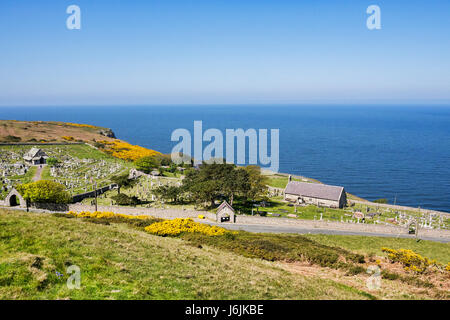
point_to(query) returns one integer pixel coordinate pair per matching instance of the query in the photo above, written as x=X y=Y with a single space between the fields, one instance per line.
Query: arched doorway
x=13 y=201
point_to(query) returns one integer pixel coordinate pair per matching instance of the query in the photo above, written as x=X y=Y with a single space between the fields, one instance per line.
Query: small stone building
x=35 y=157
x=14 y=198
x=225 y=213
x=315 y=193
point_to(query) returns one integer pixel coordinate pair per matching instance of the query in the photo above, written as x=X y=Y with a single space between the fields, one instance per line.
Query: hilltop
x=13 y=131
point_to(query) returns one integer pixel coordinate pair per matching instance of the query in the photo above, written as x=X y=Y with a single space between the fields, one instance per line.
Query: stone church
x=35 y=157
x=315 y=193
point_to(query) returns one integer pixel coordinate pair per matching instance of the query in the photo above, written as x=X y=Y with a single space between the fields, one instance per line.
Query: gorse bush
x=273 y=247
x=107 y=214
x=106 y=218
x=80 y=125
x=126 y=151
x=409 y=259
x=178 y=226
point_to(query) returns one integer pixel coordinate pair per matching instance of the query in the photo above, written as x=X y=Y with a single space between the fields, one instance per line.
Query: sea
x=401 y=153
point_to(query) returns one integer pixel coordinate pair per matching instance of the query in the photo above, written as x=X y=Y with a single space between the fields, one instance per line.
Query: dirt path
x=38 y=174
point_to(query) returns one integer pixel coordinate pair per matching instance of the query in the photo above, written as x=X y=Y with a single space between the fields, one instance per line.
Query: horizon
x=224 y=53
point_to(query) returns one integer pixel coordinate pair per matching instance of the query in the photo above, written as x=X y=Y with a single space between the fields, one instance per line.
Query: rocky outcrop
x=107 y=133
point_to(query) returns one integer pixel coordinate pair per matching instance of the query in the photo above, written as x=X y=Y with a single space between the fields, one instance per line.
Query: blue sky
x=220 y=52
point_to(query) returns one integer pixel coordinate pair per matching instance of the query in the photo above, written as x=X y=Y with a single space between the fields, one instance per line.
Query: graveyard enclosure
x=80 y=168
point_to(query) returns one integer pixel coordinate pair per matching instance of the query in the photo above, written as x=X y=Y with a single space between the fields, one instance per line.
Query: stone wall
x=91 y=194
x=397 y=207
x=39 y=144
x=330 y=225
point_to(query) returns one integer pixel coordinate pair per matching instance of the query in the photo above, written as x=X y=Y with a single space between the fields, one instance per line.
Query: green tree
x=236 y=183
x=258 y=183
x=124 y=200
x=147 y=164
x=44 y=191
x=169 y=193
x=52 y=162
x=213 y=181
x=122 y=181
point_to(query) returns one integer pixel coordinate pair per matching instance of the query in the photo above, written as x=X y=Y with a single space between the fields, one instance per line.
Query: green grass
x=277 y=182
x=279 y=247
x=119 y=262
x=367 y=245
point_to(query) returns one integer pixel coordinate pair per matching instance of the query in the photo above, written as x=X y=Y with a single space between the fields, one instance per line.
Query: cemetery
x=80 y=168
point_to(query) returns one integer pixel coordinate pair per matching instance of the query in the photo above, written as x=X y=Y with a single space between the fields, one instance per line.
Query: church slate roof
x=35 y=153
x=314 y=190
x=223 y=205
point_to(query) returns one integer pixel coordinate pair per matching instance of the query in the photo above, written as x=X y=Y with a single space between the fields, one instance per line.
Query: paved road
x=301 y=230
x=260 y=228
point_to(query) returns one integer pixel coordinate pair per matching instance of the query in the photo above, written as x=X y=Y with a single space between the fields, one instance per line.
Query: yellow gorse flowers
x=178 y=226
x=409 y=259
x=81 y=125
x=163 y=228
x=126 y=151
x=100 y=214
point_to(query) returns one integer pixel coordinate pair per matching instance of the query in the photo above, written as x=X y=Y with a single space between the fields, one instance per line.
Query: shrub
x=52 y=162
x=126 y=151
x=12 y=138
x=99 y=145
x=137 y=221
x=125 y=200
x=178 y=226
x=105 y=214
x=44 y=191
x=409 y=259
x=389 y=275
x=354 y=270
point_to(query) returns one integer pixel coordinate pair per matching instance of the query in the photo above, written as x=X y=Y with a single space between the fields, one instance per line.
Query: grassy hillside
x=118 y=262
x=13 y=131
x=367 y=245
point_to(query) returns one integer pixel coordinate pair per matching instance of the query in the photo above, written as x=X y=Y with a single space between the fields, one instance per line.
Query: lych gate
x=225 y=213
x=14 y=199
